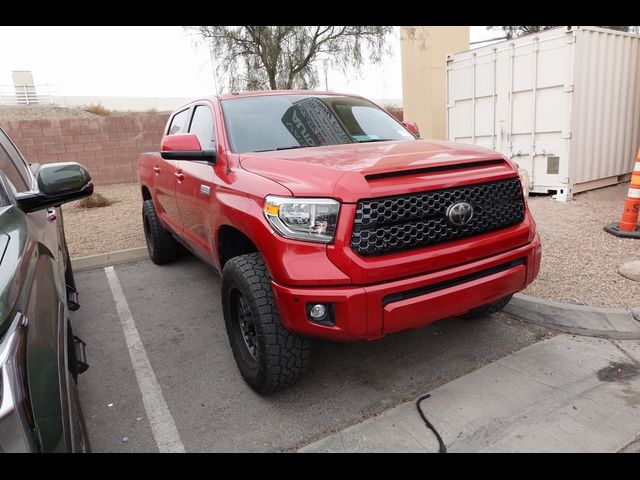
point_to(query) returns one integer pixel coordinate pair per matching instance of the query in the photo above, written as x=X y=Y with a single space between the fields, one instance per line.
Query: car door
x=196 y=186
x=32 y=264
x=165 y=177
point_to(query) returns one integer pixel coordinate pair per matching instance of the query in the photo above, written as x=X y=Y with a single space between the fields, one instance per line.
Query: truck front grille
x=404 y=222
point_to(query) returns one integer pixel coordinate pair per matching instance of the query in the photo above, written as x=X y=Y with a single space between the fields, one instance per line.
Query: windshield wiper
x=291 y=147
x=371 y=140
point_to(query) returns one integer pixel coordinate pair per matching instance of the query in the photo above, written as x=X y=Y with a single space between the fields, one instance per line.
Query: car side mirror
x=58 y=183
x=413 y=128
x=185 y=146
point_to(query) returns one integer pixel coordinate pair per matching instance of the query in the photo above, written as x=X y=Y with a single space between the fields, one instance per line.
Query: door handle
x=179 y=176
x=157 y=169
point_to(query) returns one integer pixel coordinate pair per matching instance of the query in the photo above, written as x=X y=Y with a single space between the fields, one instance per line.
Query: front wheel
x=268 y=356
x=486 y=310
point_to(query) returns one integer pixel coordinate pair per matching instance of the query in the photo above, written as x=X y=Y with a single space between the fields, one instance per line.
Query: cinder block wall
x=107 y=146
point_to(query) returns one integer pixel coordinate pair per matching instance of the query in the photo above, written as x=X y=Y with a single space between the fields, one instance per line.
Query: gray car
x=40 y=358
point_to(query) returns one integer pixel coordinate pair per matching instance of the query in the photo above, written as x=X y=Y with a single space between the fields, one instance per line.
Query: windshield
x=279 y=122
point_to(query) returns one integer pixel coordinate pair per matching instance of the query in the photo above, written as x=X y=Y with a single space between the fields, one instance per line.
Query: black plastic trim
x=441 y=168
x=416 y=292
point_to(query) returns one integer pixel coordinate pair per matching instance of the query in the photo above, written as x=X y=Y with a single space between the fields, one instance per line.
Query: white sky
x=153 y=61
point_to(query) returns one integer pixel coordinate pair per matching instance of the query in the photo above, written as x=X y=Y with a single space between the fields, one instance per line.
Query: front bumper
x=372 y=311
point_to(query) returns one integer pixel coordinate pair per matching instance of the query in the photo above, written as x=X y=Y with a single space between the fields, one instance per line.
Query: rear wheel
x=486 y=310
x=268 y=356
x=161 y=245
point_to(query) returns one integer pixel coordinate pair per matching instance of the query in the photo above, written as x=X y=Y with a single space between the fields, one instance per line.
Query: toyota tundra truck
x=327 y=217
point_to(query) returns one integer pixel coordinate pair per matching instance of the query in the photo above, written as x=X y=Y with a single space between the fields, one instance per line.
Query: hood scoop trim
x=439 y=168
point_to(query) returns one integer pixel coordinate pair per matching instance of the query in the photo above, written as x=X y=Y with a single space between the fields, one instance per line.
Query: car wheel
x=161 y=245
x=486 y=310
x=268 y=356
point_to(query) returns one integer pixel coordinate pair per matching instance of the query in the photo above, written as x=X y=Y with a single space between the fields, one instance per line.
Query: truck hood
x=353 y=171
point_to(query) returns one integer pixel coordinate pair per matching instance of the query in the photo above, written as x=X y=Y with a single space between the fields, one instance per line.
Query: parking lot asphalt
x=177 y=315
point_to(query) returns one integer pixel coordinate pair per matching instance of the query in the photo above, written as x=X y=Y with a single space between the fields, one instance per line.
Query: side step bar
x=81 y=355
x=72 y=299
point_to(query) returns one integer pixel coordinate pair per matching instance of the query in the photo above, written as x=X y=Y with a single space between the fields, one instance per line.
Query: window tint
x=202 y=126
x=11 y=171
x=179 y=122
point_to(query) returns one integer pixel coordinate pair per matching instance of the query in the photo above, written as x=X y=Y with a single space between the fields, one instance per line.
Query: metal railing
x=42 y=94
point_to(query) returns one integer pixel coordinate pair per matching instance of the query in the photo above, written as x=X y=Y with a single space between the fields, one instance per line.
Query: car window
x=202 y=126
x=10 y=169
x=18 y=163
x=179 y=122
x=275 y=122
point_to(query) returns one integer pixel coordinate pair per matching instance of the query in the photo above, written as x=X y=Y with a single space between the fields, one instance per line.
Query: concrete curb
x=107 y=259
x=618 y=324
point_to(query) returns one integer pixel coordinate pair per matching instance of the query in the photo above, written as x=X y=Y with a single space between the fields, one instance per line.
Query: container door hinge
x=566 y=135
x=568 y=88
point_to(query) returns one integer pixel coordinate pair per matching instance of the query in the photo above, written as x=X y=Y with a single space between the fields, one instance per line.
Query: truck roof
x=259 y=93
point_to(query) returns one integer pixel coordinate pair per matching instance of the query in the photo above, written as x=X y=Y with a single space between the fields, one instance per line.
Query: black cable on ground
x=443 y=448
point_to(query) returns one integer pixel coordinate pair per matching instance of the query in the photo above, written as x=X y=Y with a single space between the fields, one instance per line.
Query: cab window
x=178 y=122
x=202 y=126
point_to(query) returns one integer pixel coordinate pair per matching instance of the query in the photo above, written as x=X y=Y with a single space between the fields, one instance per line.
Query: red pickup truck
x=328 y=218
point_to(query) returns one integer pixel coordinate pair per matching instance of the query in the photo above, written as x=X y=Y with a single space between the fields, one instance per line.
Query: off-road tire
x=486 y=310
x=161 y=245
x=281 y=357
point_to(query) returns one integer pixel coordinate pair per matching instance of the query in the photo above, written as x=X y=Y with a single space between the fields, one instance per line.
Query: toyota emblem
x=460 y=213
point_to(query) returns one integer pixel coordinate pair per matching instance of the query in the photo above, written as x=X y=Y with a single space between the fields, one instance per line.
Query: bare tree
x=511 y=31
x=285 y=57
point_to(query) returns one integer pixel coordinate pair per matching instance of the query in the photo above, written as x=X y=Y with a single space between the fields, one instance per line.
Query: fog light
x=321 y=313
x=318 y=312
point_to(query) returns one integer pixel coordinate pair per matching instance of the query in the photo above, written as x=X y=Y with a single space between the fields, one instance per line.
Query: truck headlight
x=309 y=219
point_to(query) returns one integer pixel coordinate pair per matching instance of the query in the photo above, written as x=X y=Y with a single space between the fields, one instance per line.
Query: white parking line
x=162 y=424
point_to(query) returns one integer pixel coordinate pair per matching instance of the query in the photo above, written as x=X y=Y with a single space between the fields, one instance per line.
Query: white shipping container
x=564 y=104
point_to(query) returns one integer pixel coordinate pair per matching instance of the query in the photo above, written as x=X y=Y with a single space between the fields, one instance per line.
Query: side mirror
x=58 y=183
x=185 y=146
x=413 y=128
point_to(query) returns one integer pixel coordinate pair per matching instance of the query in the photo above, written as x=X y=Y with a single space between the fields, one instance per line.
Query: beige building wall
x=424 y=53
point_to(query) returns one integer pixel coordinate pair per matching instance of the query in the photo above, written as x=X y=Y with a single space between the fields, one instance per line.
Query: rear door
x=165 y=178
x=195 y=190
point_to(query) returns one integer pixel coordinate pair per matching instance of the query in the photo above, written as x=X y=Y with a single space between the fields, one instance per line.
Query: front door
x=166 y=178
x=195 y=192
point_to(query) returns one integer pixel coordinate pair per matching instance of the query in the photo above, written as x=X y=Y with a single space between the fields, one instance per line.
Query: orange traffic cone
x=628 y=226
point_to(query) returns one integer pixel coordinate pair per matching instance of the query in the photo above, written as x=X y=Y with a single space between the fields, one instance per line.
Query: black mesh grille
x=393 y=224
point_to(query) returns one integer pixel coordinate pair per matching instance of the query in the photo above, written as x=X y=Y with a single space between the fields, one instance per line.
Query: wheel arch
x=233 y=242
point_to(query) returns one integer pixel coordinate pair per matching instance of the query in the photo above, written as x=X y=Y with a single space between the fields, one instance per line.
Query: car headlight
x=309 y=219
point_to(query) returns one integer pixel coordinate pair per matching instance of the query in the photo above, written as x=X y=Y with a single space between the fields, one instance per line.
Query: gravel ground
x=579 y=259
x=91 y=231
